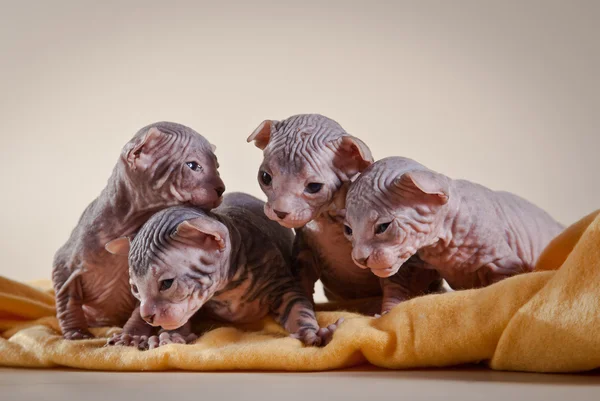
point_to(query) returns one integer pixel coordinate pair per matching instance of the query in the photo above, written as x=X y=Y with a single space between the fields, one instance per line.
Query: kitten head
x=177 y=261
x=307 y=158
x=172 y=164
x=393 y=209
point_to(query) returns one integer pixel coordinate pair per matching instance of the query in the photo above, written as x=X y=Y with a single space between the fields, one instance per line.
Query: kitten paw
x=318 y=338
x=166 y=338
x=128 y=340
x=77 y=334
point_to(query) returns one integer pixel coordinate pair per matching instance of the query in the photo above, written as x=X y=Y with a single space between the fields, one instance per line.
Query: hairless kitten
x=233 y=262
x=309 y=162
x=165 y=164
x=471 y=235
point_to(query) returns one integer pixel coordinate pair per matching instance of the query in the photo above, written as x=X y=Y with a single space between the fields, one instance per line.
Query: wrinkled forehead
x=149 y=272
x=302 y=144
x=297 y=157
x=178 y=137
x=153 y=245
x=364 y=212
x=289 y=166
x=360 y=206
x=156 y=261
x=192 y=144
x=368 y=192
x=315 y=126
x=143 y=259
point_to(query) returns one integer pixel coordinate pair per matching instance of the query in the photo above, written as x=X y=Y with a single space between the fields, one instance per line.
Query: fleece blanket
x=545 y=321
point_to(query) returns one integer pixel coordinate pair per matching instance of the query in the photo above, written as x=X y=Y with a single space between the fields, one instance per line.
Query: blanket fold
x=546 y=321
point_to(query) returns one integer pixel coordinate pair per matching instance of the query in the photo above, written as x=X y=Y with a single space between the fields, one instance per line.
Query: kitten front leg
x=135 y=332
x=182 y=335
x=296 y=314
x=412 y=280
x=502 y=268
x=69 y=303
x=305 y=266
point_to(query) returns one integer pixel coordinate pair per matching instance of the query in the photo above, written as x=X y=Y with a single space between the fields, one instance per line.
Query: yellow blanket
x=547 y=321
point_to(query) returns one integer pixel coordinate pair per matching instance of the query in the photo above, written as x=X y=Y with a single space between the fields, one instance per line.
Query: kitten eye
x=194 y=166
x=166 y=284
x=347 y=230
x=313 y=187
x=134 y=289
x=266 y=178
x=382 y=227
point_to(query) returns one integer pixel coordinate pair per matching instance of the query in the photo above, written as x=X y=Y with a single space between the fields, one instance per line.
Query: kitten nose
x=281 y=215
x=362 y=261
x=220 y=190
x=149 y=318
x=361 y=255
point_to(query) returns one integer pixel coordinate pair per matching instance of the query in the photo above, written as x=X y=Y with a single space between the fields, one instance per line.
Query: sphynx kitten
x=471 y=235
x=165 y=164
x=233 y=262
x=309 y=162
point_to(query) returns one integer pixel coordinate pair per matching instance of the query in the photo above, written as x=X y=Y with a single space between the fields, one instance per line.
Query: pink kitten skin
x=232 y=263
x=309 y=161
x=471 y=235
x=164 y=164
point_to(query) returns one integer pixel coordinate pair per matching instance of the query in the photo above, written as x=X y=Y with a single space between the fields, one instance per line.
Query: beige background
x=504 y=93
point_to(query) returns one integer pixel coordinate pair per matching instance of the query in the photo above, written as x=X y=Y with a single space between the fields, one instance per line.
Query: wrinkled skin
x=309 y=162
x=164 y=164
x=471 y=235
x=233 y=263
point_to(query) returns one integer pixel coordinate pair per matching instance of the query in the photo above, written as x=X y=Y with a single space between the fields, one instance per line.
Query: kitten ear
x=352 y=155
x=424 y=182
x=262 y=134
x=119 y=246
x=142 y=147
x=205 y=231
x=213 y=148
